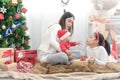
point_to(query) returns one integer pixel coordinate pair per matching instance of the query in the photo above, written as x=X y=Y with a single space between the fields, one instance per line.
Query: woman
x=49 y=50
x=98 y=50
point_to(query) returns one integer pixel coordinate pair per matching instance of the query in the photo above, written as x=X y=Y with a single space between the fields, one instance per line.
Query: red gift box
x=6 y=55
x=26 y=55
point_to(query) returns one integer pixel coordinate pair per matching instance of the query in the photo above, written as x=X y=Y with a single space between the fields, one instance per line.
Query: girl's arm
x=53 y=36
x=102 y=58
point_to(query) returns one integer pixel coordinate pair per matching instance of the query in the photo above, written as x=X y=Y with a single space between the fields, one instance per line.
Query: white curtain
x=43 y=13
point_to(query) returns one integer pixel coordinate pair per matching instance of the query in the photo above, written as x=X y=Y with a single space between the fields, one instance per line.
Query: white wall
x=42 y=13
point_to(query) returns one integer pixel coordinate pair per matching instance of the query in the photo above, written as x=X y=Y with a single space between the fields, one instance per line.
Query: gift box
x=8 y=67
x=26 y=55
x=6 y=55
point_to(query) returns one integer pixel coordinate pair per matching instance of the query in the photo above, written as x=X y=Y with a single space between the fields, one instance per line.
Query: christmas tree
x=13 y=30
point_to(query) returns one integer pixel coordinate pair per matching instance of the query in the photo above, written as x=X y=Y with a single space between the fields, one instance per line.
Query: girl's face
x=92 y=41
x=69 y=22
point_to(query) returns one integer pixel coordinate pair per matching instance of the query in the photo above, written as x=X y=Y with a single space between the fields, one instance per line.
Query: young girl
x=98 y=50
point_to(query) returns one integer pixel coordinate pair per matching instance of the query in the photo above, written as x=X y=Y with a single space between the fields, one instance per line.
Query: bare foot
x=113 y=35
x=105 y=34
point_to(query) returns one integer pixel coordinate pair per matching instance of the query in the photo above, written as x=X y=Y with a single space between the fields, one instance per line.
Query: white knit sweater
x=49 y=42
x=100 y=54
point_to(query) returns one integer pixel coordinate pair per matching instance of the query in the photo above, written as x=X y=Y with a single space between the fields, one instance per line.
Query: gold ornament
x=10 y=18
x=14 y=1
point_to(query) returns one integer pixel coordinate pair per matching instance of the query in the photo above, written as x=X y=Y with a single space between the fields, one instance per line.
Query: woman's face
x=69 y=22
x=92 y=40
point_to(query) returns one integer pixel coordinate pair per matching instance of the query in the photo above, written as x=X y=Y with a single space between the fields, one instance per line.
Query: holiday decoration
x=10 y=18
x=14 y=2
x=13 y=26
x=64 y=3
x=24 y=10
x=7 y=55
x=3 y=10
x=26 y=55
x=0 y=36
x=26 y=41
x=17 y=16
x=27 y=33
x=1 y=17
x=11 y=22
x=3 y=27
x=104 y=4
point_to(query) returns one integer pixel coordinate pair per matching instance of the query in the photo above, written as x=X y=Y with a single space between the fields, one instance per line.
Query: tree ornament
x=8 y=31
x=18 y=23
x=24 y=10
x=27 y=33
x=18 y=47
x=18 y=9
x=0 y=36
x=26 y=41
x=24 y=28
x=17 y=16
x=13 y=26
x=14 y=2
x=10 y=18
x=3 y=27
x=3 y=10
x=1 y=17
x=16 y=36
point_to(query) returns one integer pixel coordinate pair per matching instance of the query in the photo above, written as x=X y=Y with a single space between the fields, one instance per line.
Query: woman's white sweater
x=50 y=40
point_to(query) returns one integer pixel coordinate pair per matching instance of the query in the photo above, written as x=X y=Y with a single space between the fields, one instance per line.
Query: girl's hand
x=91 y=60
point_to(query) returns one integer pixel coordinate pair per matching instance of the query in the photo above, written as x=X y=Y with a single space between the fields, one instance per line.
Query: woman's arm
x=53 y=36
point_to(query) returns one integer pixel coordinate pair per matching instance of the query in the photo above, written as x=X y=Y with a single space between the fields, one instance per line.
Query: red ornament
x=16 y=36
x=26 y=28
x=17 y=16
x=18 y=47
x=83 y=58
x=1 y=17
x=26 y=41
x=24 y=10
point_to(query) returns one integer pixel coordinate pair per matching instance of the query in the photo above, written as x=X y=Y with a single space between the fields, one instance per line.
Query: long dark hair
x=103 y=42
x=62 y=21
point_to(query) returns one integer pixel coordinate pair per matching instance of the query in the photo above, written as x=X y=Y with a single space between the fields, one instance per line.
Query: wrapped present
x=8 y=67
x=6 y=55
x=26 y=55
x=23 y=66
